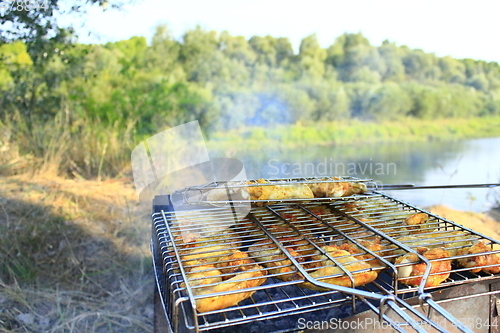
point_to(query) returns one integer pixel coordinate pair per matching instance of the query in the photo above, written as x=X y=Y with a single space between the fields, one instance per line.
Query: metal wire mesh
x=298 y=238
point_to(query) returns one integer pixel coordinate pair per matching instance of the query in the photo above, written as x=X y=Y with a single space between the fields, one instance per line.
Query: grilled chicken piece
x=206 y=255
x=224 y=194
x=412 y=274
x=361 y=271
x=190 y=242
x=235 y=263
x=372 y=245
x=337 y=189
x=277 y=262
x=319 y=210
x=318 y=265
x=416 y=223
x=277 y=192
x=209 y=279
x=213 y=266
x=452 y=241
x=268 y=191
x=483 y=259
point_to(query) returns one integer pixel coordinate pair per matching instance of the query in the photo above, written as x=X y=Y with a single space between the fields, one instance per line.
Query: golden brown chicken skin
x=234 y=272
x=361 y=272
x=276 y=261
x=276 y=192
x=483 y=259
x=372 y=245
x=207 y=279
x=416 y=223
x=318 y=265
x=337 y=189
x=412 y=274
x=452 y=241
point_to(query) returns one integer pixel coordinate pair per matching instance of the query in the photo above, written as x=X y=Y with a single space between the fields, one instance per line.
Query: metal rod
x=400 y=245
x=275 y=181
x=427 y=298
x=189 y=290
x=310 y=279
x=425 y=187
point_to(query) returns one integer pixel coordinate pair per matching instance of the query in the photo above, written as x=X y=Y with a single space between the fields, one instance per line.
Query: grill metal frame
x=195 y=195
x=340 y=226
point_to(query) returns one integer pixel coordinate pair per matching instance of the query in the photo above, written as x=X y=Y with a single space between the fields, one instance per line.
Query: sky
x=459 y=28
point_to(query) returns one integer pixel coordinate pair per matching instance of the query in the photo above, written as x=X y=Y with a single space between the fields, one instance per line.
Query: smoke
x=173 y=160
x=270 y=111
x=239 y=109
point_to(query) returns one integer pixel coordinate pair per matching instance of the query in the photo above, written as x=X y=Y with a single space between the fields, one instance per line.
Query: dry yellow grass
x=74 y=257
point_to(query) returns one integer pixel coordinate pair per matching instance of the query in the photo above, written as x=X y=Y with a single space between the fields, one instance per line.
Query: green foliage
x=386 y=101
x=134 y=89
x=312 y=57
x=34 y=25
x=355 y=132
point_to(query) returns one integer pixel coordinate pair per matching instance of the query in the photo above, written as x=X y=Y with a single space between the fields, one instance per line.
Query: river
x=428 y=163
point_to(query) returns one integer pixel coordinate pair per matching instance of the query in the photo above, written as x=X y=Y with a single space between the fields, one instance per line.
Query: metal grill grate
x=212 y=232
x=230 y=192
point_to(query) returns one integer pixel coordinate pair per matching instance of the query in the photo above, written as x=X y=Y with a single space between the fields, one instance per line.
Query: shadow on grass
x=58 y=274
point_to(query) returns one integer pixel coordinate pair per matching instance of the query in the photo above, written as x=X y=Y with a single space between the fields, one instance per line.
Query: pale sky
x=460 y=28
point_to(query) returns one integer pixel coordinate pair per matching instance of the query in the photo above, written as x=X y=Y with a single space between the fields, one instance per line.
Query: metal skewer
x=424 y=187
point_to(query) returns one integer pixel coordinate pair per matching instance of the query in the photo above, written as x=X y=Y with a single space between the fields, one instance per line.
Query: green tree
x=312 y=57
x=335 y=106
x=271 y=51
x=392 y=68
x=237 y=48
x=387 y=102
x=199 y=53
x=163 y=56
x=452 y=70
x=421 y=66
x=355 y=59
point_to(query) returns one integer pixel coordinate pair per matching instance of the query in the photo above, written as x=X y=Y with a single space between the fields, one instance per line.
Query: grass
x=352 y=132
x=74 y=257
x=85 y=149
x=80 y=148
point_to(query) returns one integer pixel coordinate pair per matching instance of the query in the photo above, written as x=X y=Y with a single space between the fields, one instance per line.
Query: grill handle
x=393 y=187
x=427 y=299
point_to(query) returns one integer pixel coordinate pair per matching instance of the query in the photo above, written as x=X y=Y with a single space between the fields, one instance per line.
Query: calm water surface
x=430 y=163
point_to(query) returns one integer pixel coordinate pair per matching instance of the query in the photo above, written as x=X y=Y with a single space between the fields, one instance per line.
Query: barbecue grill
x=307 y=302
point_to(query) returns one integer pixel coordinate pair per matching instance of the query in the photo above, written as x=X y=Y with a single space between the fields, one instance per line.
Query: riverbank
x=484 y=223
x=351 y=132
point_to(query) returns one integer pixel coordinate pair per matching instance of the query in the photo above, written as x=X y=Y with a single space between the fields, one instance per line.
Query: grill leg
x=160 y=322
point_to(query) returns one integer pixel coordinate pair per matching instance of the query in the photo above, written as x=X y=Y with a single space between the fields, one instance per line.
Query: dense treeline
x=135 y=88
